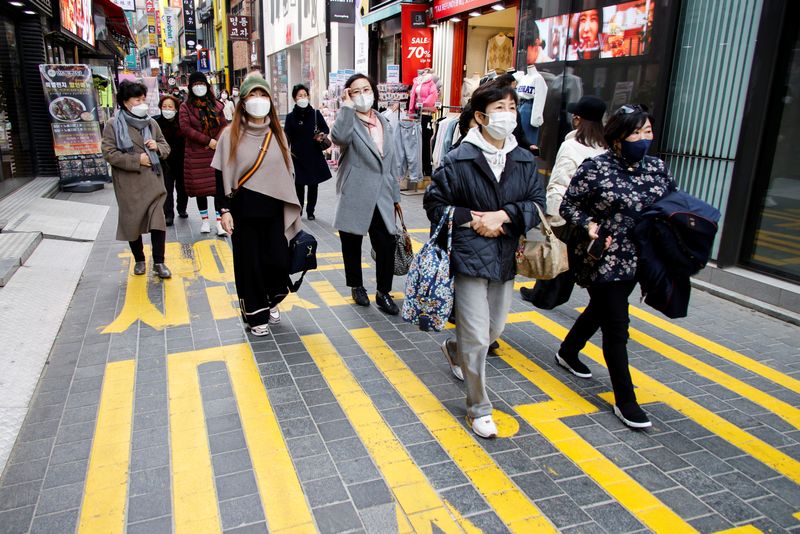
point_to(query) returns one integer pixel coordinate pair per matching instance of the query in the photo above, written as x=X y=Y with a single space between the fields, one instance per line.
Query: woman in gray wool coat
x=368 y=191
x=132 y=144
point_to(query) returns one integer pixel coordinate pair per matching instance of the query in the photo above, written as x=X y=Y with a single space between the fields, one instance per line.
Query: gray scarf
x=121 y=122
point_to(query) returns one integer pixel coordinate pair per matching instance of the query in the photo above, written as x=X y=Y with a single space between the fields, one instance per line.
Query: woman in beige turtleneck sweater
x=263 y=214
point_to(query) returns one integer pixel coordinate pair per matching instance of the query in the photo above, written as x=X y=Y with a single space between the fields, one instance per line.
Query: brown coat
x=198 y=176
x=139 y=190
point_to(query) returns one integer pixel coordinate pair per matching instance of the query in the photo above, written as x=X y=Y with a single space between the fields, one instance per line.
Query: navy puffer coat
x=466 y=181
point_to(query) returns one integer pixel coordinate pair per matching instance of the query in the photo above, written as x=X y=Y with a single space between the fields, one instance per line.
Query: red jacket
x=198 y=176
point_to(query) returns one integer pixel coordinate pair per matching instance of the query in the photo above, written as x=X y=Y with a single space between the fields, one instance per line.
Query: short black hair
x=128 y=89
x=491 y=92
x=506 y=78
x=297 y=88
x=464 y=119
x=372 y=84
x=624 y=121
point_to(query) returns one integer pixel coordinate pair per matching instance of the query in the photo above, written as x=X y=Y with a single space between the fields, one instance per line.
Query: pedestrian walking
x=132 y=144
x=604 y=200
x=368 y=192
x=172 y=165
x=494 y=186
x=306 y=129
x=227 y=105
x=202 y=122
x=259 y=206
x=583 y=142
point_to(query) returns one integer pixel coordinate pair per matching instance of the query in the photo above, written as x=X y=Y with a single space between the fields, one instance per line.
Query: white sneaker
x=205 y=228
x=220 y=230
x=455 y=369
x=274 y=316
x=483 y=426
x=260 y=331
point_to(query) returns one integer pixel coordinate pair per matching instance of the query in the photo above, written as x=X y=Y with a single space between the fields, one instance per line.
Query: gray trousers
x=409 y=155
x=481 y=312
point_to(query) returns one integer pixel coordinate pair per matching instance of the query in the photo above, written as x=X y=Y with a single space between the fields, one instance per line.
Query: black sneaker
x=632 y=415
x=311 y=217
x=385 y=302
x=526 y=293
x=360 y=296
x=170 y=221
x=183 y=215
x=574 y=366
x=493 y=347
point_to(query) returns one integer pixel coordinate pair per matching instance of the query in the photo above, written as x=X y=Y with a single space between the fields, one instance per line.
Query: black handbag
x=326 y=142
x=547 y=294
x=302 y=257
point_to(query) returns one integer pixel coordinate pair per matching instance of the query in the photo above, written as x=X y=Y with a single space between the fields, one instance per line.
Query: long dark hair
x=590 y=133
x=239 y=123
x=372 y=84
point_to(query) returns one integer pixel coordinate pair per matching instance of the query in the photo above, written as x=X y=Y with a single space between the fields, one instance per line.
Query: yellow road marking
x=194 y=495
x=723 y=352
x=414 y=494
x=328 y=294
x=205 y=252
x=222 y=303
x=746 y=529
x=770 y=456
x=520 y=285
x=337 y=267
x=105 y=495
x=508 y=502
x=546 y=417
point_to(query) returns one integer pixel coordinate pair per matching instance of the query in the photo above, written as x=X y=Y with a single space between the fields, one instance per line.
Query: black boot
x=360 y=296
x=385 y=303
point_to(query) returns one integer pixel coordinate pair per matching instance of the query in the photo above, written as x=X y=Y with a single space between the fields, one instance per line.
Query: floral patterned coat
x=612 y=193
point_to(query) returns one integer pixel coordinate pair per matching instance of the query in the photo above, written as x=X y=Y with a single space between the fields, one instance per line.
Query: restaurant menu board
x=620 y=30
x=72 y=105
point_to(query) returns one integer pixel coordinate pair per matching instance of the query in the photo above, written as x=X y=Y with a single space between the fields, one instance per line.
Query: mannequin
x=424 y=95
x=532 y=91
x=469 y=86
x=499 y=53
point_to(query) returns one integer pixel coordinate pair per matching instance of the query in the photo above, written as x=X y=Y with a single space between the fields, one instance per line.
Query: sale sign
x=417 y=41
x=448 y=8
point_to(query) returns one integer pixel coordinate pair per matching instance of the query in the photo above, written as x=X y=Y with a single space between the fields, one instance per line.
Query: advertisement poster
x=417 y=41
x=392 y=73
x=189 y=26
x=77 y=19
x=343 y=11
x=361 y=62
x=72 y=105
x=620 y=30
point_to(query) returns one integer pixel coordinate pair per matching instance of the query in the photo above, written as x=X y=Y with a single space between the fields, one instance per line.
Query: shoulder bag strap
x=262 y=151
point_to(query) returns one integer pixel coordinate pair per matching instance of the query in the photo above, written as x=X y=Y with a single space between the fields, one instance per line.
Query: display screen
x=620 y=30
x=76 y=18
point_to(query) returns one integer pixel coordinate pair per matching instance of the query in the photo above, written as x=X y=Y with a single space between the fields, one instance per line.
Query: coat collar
x=362 y=131
x=466 y=151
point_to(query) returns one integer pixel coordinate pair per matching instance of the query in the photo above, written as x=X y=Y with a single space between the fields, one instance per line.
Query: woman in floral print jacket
x=605 y=198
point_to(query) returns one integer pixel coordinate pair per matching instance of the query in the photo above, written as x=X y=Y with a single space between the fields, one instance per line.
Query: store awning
x=381 y=13
x=115 y=18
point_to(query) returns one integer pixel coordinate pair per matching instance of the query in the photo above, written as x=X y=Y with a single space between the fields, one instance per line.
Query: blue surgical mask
x=634 y=151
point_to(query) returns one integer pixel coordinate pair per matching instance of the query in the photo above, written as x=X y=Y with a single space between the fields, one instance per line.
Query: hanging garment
x=444 y=139
x=499 y=53
x=427 y=134
x=410 y=153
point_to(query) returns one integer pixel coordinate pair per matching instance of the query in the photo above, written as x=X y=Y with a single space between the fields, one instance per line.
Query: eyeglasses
x=627 y=109
x=365 y=91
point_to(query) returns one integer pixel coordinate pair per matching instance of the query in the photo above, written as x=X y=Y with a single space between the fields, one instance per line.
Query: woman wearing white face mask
x=132 y=144
x=227 y=105
x=202 y=121
x=493 y=185
x=368 y=192
x=261 y=213
x=173 y=164
x=306 y=129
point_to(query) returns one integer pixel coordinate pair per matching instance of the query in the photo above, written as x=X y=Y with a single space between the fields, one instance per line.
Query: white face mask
x=200 y=90
x=501 y=124
x=257 y=106
x=364 y=102
x=235 y=93
x=223 y=96
x=140 y=110
x=168 y=114
x=303 y=102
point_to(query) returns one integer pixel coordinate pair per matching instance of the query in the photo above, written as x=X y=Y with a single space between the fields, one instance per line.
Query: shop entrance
x=490 y=45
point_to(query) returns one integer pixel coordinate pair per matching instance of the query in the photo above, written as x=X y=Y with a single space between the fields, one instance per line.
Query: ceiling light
x=456 y=19
x=29 y=12
x=432 y=25
x=474 y=13
x=17 y=4
x=498 y=7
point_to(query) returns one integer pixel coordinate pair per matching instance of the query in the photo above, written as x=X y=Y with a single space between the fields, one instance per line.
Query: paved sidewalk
x=157 y=413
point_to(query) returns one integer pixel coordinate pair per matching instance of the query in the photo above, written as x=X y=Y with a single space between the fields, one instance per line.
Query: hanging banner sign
x=189 y=26
x=72 y=106
x=343 y=11
x=417 y=41
x=126 y=5
x=238 y=28
x=170 y=22
x=203 y=60
x=447 y=8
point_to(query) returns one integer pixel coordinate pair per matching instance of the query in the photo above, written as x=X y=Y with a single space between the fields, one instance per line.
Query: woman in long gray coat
x=368 y=191
x=132 y=144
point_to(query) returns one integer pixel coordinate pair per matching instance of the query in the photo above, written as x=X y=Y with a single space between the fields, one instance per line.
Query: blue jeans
x=531 y=132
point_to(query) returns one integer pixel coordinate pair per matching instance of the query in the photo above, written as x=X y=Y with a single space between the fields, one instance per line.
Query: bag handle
x=262 y=151
x=446 y=217
x=398 y=213
x=546 y=229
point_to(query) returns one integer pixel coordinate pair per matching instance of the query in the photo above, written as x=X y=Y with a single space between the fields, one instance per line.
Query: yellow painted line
x=546 y=417
x=507 y=500
x=106 y=491
x=328 y=255
x=770 y=456
x=338 y=267
x=415 y=496
x=520 y=285
x=206 y=252
x=746 y=529
x=780 y=235
x=330 y=297
x=194 y=495
x=221 y=303
x=721 y=351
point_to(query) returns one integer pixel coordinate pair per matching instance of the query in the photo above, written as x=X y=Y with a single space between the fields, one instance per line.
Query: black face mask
x=635 y=151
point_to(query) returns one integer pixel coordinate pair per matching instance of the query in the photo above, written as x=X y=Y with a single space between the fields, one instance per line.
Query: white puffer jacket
x=570 y=155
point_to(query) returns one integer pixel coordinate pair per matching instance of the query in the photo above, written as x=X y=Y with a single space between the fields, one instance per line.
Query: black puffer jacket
x=466 y=181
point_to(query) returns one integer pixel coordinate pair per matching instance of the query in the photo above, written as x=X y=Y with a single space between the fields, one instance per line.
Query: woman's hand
x=346 y=97
x=151 y=144
x=212 y=144
x=144 y=160
x=594 y=233
x=227 y=222
x=489 y=224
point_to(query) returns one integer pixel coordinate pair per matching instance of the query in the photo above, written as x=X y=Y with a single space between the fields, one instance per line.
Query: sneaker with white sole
x=632 y=415
x=483 y=426
x=274 y=316
x=260 y=330
x=449 y=348
x=576 y=367
x=220 y=230
x=205 y=228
